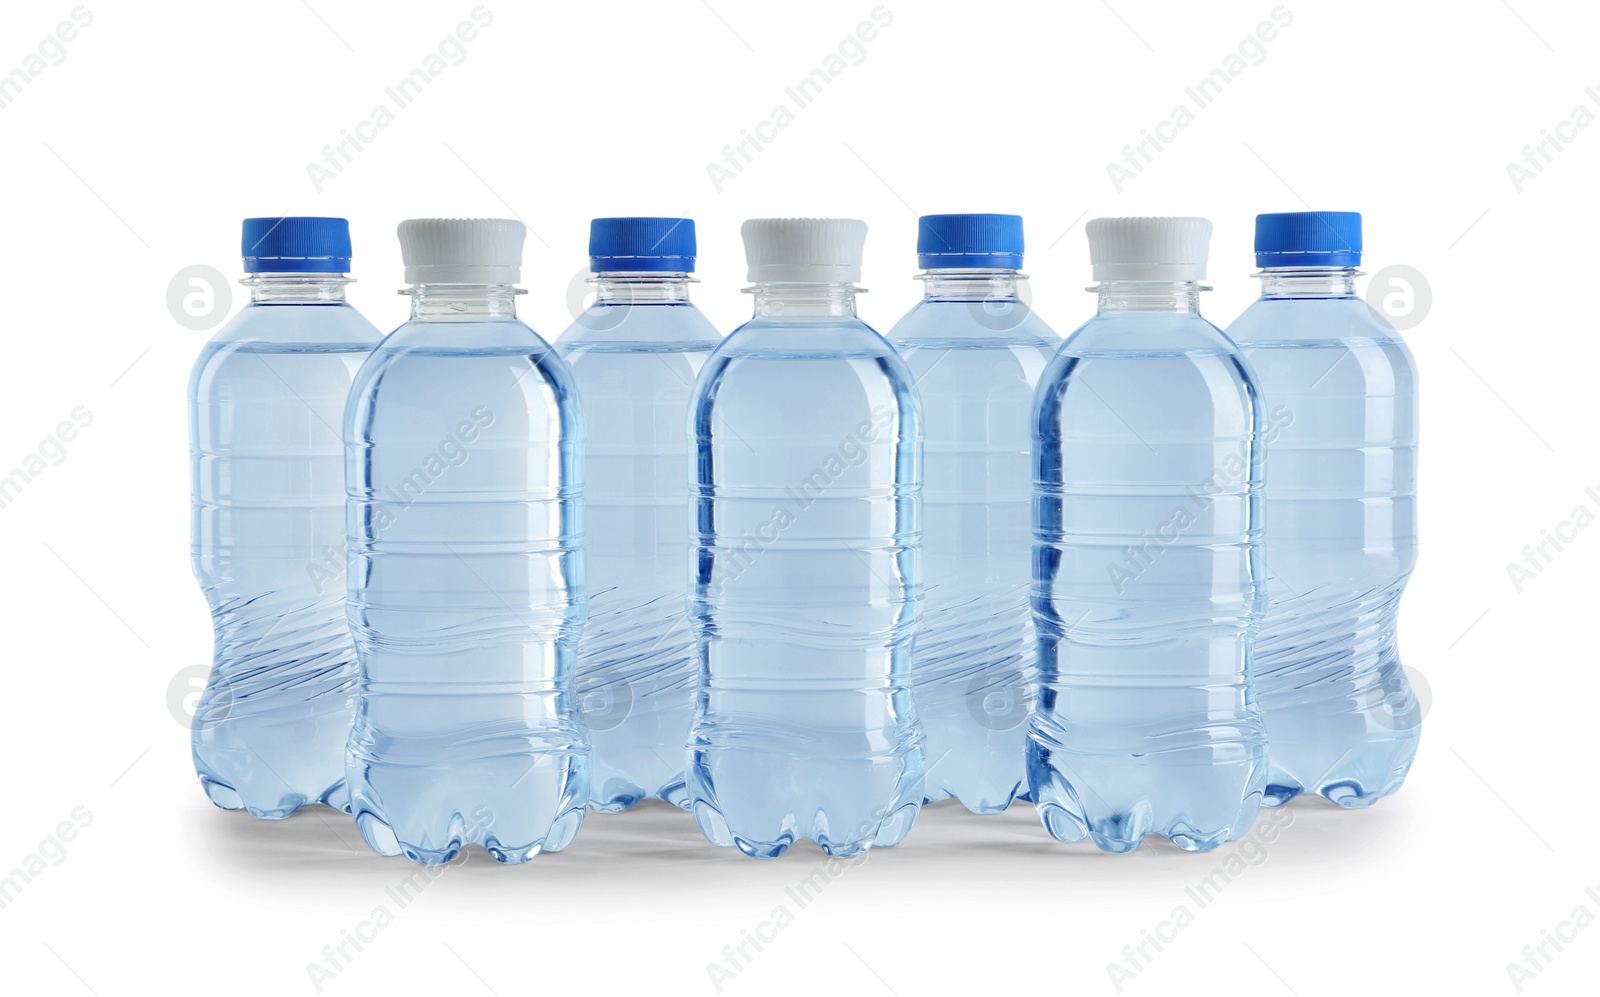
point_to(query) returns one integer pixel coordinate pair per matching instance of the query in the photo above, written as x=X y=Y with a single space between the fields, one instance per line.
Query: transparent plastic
x=634 y=356
x=1340 y=392
x=1146 y=591
x=463 y=438
x=806 y=581
x=976 y=352
x=265 y=402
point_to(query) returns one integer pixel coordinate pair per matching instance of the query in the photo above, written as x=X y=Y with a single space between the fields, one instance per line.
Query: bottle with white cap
x=1340 y=391
x=463 y=449
x=1147 y=574
x=805 y=484
x=634 y=354
x=976 y=350
x=265 y=401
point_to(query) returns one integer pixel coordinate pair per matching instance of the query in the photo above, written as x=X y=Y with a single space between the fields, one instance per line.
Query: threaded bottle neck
x=1122 y=297
x=296 y=288
x=447 y=302
x=631 y=288
x=786 y=300
x=970 y=285
x=1309 y=282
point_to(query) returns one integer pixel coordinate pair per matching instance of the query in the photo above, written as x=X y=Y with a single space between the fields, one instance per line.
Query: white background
x=138 y=154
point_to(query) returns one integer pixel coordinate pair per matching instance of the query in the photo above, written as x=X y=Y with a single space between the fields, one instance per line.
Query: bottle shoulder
x=336 y=332
x=804 y=338
x=1312 y=321
x=326 y=325
x=493 y=336
x=651 y=327
x=1135 y=335
x=830 y=358
x=435 y=356
x=941 y=323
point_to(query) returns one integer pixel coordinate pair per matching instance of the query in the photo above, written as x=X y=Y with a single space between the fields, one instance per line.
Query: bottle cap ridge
x=462 y=250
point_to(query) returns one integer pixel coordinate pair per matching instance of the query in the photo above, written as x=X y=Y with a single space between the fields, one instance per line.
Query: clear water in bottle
x=806 y=588
x=1146 y=573
x=265 y=403
x=1340 y=392
x=976 y=351
x=466 y=577
x=634 y=356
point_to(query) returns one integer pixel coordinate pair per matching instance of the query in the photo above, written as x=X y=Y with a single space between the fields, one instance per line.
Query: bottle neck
x=1309 y=282
x=782 y=300
x=296 y=288
x=453 y=302
x=632 y=288
x=970 y=285
x=1172 y=297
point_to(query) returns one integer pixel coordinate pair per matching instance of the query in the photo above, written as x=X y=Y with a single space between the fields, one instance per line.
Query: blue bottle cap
x=296 y=245
x=1308 y=239
x=969 y=242
x=659 y=245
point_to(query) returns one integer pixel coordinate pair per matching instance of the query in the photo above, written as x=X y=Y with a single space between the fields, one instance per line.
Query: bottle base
x=226 y=797
x=383 y=840
x=1201 y=807
x=619 y=794
x=842 y=818
x=1353 y=784
x=981 y=802
x=513 y=807
x=893 y=829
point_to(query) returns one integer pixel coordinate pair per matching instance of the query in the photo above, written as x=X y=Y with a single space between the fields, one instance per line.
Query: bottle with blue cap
x=634 y=355
x=265 y=402
x=1147 y=521
x=976 y=350
x=463 y=441
x=805 y=483
x=1340 y=392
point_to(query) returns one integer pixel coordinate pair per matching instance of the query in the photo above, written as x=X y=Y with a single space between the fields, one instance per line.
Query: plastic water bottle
x=634 y=355
x=976 y=351
x=806 y=581
x=265 y=403
x=1340 y=395
x=463 y=440
x=1146 y=560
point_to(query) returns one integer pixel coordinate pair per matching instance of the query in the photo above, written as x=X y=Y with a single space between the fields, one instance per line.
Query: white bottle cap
x=804 y=250
x=1161 y=249
x=462 y=250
